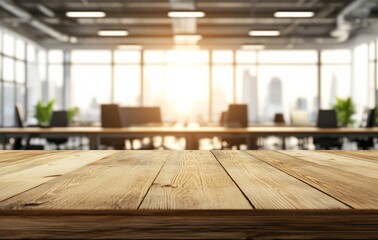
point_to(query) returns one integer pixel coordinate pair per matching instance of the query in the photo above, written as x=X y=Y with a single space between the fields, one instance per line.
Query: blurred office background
x=307 y=66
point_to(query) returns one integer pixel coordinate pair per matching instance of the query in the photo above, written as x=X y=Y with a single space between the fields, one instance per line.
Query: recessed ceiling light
x=85 y=14
x=112 y=33
x=187 y=39
x=253 y=47
x=293 y=14
x=186 y=14
x=264 y=33
x=73 y=40
x=129 y=47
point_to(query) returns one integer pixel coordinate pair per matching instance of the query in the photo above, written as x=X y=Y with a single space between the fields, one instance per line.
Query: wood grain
x=11 y=157
x=365 y=155
x=200 y=224
x=119 y=181
x=269 y=188
x=341 y=163
x=194 y=180
x=57 y=165
x=357 y=191
x=18 y=162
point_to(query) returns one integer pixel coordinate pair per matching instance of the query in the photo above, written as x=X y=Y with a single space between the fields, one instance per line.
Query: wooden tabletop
x=236 y=193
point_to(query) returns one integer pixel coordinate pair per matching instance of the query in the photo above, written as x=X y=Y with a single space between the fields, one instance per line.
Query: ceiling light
x=265 y=33
x=187 y=39
x=186 y=14
x=73 y=40
x=112 y=33
x=129 y=47
x=85 y=14
x=293 y=14
x=253 y=47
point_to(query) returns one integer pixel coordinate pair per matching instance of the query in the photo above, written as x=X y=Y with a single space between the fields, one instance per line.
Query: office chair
x=368 y=121
x=327 y=119
x=279 y=118
x=111 y=118
x=17 y=145
x=58 y=119
x=142 y=116
x=236 y=116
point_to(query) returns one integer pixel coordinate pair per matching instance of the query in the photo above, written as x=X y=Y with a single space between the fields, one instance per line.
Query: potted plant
x=71 y=113
x=43 y=112
x=345 y=109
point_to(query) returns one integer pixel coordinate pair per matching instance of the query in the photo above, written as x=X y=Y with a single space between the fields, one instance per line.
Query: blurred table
x=191 y=134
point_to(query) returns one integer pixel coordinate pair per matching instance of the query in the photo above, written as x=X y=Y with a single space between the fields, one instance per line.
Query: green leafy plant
x=71 y=113
x=43 y=112
x=345 y=109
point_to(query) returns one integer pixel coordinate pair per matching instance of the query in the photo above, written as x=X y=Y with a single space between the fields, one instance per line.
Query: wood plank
x=194 y=224
x=20 y=162
x=339 y=163
x=194 y=180
x=365 y=155
x=269 y=188
x=352 y=189
x=119 y=181
x=18 y=182
x=8 y=157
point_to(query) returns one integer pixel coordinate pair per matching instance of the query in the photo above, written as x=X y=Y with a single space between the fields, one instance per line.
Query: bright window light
x=85 y=14
x=130 y=47
x=186 y=47
x=186 y=14
x=187 y=39
x=253 y=47
x=113 y=33
x=293 y=14
x=264 y=33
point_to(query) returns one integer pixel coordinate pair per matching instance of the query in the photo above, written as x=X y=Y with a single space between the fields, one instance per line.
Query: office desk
x=188 y=194
x=191 y=134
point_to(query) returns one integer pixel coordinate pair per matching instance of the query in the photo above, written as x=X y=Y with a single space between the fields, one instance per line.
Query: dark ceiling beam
x=227 y=5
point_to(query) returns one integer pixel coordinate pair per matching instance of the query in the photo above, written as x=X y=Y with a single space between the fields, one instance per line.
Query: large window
x=246 y=82
x=188 y=85
x=222 y=82
x=362 y=90
x=55 y=75
x=127 y=78
x=13 y=79
x=336 y=76
x=91 y=87
x=178 y=81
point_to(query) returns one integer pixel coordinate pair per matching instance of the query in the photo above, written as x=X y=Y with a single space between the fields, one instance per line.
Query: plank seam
x=49 y=181
x=246 y=197
x=149 y=188
x=299 y=178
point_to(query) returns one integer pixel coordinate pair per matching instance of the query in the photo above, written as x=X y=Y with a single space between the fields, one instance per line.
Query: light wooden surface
x=200 y=194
